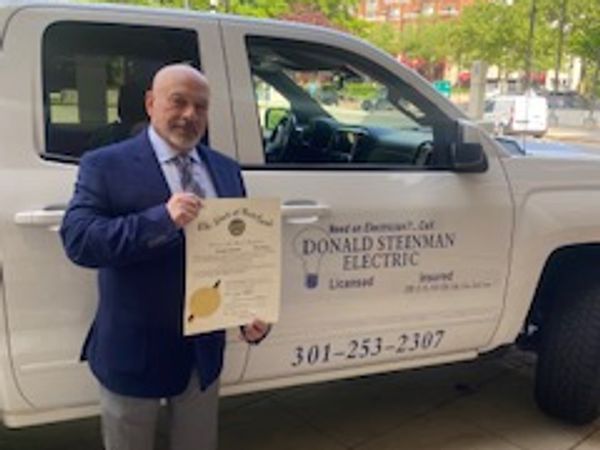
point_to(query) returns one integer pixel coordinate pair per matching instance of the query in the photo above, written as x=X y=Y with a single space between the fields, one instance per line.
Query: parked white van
x=410 y=237
x=518 y=114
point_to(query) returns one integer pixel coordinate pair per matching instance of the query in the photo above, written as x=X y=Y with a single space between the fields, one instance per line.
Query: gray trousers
x=129 y=423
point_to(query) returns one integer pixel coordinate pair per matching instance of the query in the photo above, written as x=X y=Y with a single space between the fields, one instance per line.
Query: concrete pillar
x=477 y=91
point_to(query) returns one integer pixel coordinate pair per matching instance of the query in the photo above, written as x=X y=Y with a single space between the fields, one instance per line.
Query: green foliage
x=274 y=116
x=336 y=10
x=584 y=37
x=339 y=12
x=489 y=30
x=194 y=4
x=257 y=8
x=427 y=40
x=359 y=91
x=383 y=35
x=498 y=33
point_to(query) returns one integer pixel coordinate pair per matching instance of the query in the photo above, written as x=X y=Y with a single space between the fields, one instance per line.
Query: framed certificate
x=233 y=264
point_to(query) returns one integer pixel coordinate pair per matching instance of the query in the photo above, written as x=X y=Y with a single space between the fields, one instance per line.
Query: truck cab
x=400 y=224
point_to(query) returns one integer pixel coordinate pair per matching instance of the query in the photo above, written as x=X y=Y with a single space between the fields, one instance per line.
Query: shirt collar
x=164 y=152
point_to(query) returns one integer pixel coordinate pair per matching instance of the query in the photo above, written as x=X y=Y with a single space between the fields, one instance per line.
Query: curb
x=573 y=136
x=579 y=139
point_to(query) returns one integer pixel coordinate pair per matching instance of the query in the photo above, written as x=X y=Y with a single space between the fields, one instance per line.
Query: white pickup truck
x=410 y=237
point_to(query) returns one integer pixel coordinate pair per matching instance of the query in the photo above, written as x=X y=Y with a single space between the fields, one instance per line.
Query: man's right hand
x=183 y=207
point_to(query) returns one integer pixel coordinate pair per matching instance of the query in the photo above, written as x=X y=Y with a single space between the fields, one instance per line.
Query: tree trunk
x=591 y=121
x=502 y=79
x=595 y=81
x=530 y=44
x=559 y=47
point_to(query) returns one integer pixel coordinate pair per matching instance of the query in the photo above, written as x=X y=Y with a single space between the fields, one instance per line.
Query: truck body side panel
x=554 y=209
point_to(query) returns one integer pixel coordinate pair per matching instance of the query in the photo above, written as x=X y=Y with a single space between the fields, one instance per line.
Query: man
x=131 y=201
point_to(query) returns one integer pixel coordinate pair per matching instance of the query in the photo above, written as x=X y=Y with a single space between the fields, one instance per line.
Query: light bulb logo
x=310 y=244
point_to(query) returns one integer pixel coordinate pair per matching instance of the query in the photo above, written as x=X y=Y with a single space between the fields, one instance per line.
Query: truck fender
x=547 y=222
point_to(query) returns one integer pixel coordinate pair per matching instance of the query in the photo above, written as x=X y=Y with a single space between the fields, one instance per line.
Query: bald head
x=176 y=73
x=177 y=105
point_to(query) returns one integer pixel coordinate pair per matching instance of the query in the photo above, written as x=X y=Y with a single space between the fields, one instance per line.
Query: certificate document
x=233 y=264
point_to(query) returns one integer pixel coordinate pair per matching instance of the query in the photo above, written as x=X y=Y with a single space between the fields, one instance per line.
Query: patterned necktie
x=188 y=183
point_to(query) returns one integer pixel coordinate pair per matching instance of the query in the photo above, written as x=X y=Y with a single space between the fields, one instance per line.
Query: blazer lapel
x=155 y=187
x=217 y=176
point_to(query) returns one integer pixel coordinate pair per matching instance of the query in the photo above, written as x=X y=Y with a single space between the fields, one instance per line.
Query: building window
x=449 y=10
x=428 y=9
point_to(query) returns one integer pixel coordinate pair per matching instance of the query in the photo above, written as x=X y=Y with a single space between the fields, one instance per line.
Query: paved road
x=485 y=404
x=590 y=146
x=585 y=137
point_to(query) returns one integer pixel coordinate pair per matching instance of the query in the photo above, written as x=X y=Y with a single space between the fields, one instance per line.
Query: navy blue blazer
x=117 y=222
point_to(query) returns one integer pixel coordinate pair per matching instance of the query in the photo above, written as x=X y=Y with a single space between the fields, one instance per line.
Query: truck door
x=73 y=79
x=391 y=258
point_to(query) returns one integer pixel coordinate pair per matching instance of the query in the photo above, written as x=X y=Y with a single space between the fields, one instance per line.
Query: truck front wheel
x=568 y=366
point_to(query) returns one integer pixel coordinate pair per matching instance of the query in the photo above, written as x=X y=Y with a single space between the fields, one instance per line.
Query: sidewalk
x=485 y=404
x=574 y=134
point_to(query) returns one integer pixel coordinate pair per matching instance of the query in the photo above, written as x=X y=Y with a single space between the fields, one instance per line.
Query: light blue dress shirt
x=165 y=155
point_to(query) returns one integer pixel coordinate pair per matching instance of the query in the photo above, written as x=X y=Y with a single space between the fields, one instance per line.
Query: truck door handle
x=304 y=211
x=49 y=217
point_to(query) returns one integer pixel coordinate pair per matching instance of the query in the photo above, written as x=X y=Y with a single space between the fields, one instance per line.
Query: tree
x=499 y=34
x=340 y=12
x=429 y=42
x=195 y=4
x=488 y=31
x=584 y=40
x=384 y=36
x=308 y=14
x=336 y=13
x=258 y=8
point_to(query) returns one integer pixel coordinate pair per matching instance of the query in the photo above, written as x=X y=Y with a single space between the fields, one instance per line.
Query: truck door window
x=320 y=106
x=95 y=77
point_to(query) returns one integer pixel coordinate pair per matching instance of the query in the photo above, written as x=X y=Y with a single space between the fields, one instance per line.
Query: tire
x=568 y=366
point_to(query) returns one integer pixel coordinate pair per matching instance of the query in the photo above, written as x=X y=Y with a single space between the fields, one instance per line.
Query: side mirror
x=273 y=116
x=467 y=157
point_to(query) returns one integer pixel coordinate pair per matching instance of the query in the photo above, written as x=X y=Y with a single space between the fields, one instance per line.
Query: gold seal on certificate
x=233 y=264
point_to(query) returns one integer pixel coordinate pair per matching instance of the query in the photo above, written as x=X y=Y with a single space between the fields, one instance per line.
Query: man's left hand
x=255 y=332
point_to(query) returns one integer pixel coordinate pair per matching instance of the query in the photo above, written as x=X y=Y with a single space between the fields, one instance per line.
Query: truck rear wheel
x=568 y=367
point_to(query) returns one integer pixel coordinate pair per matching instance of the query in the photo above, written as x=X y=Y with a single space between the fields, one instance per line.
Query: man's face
x=178 y=108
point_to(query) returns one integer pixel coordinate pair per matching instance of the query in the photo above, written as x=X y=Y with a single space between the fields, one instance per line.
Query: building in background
x=403 y=12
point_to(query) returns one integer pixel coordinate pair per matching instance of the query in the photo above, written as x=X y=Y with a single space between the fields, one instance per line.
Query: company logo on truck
x=365 y=247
